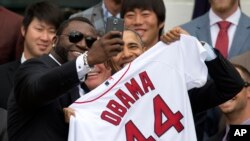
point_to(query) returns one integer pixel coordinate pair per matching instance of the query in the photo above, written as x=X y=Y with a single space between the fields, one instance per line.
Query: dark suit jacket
x=200 y=28
x=7 y=72
x=10 y=35
x=218 y=136
x=41 y=91
x=3 y=125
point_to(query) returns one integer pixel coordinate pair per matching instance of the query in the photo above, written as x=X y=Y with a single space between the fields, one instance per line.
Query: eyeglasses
x=75 y=37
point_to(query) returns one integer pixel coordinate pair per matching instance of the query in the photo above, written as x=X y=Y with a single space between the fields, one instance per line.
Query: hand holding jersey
x=174 y=35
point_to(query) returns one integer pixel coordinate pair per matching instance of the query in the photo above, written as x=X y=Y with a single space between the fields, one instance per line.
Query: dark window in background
x=68 y=6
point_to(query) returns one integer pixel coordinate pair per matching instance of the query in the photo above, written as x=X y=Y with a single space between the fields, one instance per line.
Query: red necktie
x=222 y=38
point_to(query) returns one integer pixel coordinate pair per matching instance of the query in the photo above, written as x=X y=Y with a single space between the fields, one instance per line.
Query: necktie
x=222 y=38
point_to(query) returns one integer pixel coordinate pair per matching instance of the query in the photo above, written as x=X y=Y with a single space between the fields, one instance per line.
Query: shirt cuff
x=82 y=69
x=210 y=51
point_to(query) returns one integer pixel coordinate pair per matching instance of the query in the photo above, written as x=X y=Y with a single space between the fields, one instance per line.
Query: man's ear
x=23 y=32
x=54 y=41
x=161 y=25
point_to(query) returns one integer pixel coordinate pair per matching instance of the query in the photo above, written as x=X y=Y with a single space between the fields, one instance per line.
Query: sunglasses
x=246 y=84
x=75 y=37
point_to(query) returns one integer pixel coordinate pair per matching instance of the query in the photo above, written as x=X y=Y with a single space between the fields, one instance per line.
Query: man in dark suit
x=44 y=86
x=10 y=35
x=38 y=31
x=99 y=13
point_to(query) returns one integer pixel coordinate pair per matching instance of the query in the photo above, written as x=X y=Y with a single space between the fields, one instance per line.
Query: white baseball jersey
x=145 y=101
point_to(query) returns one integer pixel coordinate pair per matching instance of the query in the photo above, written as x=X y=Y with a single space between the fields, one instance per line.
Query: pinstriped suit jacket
x=7 y=72
x=41 y=91
x=95 y=15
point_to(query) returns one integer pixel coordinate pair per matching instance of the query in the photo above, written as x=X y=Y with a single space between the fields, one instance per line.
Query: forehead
x=130 y=36
x=80 y=26
x=140 y=10
x=36 y=21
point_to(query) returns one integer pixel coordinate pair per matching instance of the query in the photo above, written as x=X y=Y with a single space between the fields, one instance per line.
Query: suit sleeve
x=37 y=83
x=224 y=84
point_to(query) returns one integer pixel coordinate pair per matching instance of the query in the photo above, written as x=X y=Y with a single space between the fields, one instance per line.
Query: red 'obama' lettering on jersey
x=118 y=108
x=125 y=99
x=146 y=82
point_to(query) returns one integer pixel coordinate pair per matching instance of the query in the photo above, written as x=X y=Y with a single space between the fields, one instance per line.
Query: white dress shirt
x=107 y=14
x=214 y=28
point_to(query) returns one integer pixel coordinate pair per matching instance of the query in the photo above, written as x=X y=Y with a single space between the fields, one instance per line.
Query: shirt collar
x=107 y=14
x=50 y=55
x=23 y=59
x=234 y=18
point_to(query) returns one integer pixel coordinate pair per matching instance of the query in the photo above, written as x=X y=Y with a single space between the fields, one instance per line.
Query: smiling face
x=97 y=76
x=237 y=104
x=145 y=23
x=73 y=50
x=38 y=38
x=131 y=50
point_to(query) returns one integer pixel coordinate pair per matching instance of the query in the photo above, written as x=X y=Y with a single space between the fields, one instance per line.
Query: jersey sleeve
x=194 y=56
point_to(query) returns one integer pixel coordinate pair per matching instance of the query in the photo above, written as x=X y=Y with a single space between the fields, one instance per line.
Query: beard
x=223 y=7
x=117 y=1
x=62 y=53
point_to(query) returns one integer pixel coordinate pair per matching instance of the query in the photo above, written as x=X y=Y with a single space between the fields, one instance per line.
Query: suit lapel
x=48 y=60
x=203 y=30
x=98 y=18
x=97 y=12
x=70 y=96
x=240 y=36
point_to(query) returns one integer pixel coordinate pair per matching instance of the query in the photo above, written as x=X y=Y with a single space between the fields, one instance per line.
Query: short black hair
x=44 y=11
x=157 y=6
x=136 y=33
x=245 y=73
x=66 y=23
